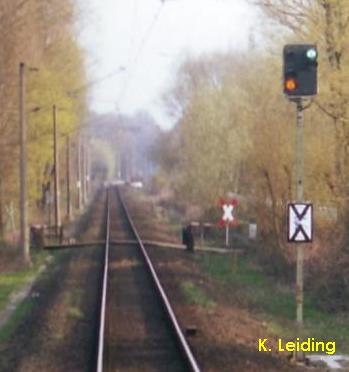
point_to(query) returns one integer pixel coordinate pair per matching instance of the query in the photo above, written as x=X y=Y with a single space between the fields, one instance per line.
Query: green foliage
x=42 y=35
x=12 y=282
x=221 y=267
x=19 y=315
x=196 y=295
x=75 y=313
x=47 y=89
x=275 y=302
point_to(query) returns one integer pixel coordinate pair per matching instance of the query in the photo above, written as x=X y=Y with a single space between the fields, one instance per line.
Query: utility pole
x=23 y=204
x=87 y=169
x=56 y=171
x=69 y=209
x=299 y=171
x=120 y=165
x=83 y=171
x=79 y=174
x=50 y=206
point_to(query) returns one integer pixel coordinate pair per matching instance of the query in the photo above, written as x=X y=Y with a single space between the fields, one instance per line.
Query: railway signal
x=299 y=82
x=300 y=70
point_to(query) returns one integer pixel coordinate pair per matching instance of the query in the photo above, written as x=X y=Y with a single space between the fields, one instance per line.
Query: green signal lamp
x=311 y=54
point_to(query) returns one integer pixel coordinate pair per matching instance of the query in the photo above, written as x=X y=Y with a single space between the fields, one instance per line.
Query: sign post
x=300 y=220
x=227 y=219
x=300 y=197
x=300 y=215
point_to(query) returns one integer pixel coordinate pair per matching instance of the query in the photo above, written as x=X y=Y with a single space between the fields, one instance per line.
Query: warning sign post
x=228 y=218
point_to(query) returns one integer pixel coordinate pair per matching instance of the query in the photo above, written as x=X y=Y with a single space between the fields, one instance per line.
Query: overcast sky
x=141 y=43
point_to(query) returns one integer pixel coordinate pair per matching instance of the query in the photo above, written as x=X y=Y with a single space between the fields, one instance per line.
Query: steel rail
x=100 y=353
x=188 y=354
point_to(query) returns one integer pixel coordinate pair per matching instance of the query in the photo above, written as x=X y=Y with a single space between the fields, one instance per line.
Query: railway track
x=138 y=330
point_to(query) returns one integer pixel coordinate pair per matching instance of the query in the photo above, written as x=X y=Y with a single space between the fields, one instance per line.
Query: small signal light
x=290 y=84
x=311 y=54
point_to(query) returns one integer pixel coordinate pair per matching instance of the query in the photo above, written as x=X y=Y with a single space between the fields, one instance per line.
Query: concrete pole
x=56 y=171
x=69 y=208
x=79 y=183
x=83 y=171
x=23 y=203
x=87 y=156
x=50 y=206
x=300 y=196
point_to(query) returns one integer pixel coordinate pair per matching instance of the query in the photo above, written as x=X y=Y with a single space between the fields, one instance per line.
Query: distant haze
x=151 y=40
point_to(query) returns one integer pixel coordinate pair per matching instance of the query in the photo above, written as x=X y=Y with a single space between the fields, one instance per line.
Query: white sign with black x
x=300 y=223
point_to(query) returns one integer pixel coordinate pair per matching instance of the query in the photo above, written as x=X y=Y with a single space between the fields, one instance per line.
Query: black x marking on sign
x=299 y=228
x=300 y=216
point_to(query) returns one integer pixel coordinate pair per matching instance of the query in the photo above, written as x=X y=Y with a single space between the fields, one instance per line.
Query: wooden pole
x=23 y=203
x=56 y=171
x=79 y=175
x=83 y=172
x=69 y=208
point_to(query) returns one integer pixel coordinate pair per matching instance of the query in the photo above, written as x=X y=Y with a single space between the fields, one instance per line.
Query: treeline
x=122 y=145
x=236 y=134
x=41 y=34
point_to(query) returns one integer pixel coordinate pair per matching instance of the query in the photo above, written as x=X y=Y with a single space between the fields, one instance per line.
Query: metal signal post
x=299 y=172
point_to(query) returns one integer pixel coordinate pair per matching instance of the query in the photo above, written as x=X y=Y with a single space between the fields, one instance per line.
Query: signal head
x=300 y=70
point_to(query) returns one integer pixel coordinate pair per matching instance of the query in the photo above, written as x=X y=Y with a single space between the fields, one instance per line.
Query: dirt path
x=57 y=329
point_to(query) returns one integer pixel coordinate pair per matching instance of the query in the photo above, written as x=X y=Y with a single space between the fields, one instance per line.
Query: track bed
x=138 y=336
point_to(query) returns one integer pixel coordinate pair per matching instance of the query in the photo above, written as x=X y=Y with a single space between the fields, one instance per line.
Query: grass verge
x=21 y=312
x=275 y=303
x=196 y=295
x=10 y=283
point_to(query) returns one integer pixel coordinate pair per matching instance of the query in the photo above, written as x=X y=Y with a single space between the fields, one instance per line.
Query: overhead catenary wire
x=97 y=81
x=131 y=70
x=133 y=62
x=133 y=26
x=83 y=88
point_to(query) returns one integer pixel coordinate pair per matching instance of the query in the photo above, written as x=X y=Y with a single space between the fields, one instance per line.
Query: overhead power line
x=143 y=42
x=98 y=81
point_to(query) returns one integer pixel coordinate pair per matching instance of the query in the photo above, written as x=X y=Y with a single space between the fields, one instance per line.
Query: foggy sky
x=150 y=40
